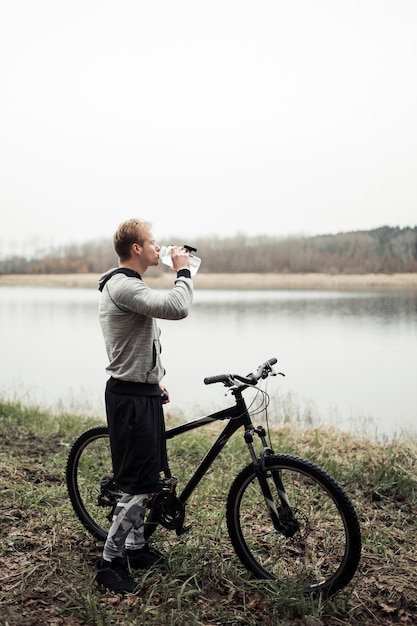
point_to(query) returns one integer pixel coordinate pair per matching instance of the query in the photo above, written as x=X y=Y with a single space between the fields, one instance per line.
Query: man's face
x=150 y=251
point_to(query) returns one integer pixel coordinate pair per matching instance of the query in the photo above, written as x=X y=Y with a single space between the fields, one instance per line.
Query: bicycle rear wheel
x=89 y=478
x=322 y=554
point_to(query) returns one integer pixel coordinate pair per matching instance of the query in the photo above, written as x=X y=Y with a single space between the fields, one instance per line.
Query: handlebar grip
x=220 y=378
x=250 y=379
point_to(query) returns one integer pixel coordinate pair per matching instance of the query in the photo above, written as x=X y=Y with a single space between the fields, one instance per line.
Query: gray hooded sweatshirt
x=128 y=311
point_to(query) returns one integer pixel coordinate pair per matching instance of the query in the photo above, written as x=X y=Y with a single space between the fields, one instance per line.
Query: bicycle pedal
x=185 y=528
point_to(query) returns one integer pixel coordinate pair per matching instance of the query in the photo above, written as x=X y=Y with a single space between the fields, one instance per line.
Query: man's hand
x=164 y=394
x=180 y=258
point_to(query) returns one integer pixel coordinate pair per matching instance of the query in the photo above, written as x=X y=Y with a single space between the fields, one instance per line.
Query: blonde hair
x=130 y=232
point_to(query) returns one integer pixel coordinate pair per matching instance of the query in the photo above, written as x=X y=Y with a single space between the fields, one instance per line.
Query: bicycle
x=287 y=518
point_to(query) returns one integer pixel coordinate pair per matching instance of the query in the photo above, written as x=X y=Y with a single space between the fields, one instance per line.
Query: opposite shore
x=230 y=281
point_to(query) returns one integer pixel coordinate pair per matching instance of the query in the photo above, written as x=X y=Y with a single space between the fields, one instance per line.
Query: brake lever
x=274 y=373
x=235 y=384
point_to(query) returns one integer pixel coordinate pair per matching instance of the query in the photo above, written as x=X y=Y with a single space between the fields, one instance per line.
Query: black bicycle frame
x=237 y=416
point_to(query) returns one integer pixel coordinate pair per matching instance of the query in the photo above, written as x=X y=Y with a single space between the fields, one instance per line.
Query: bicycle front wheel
x=322 y=551
x=90 y=484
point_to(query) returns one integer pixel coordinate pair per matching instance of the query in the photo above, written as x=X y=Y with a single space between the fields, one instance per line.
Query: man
x=134 y=394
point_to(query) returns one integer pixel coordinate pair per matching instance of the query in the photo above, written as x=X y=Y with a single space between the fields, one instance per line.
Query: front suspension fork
x=282 y=516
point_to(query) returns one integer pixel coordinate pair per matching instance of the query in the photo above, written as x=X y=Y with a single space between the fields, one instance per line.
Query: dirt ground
x=231 y=281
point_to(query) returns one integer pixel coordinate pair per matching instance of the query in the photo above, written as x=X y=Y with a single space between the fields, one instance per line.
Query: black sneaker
x=145 y=557
x=115 y=576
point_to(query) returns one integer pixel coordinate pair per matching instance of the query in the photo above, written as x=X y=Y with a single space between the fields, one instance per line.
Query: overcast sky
x=217 y=117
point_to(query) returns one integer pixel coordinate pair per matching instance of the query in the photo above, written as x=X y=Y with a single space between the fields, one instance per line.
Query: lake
x=349 y=358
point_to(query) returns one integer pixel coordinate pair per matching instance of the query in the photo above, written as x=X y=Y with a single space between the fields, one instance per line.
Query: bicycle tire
x=89 y=463
x=323 y=555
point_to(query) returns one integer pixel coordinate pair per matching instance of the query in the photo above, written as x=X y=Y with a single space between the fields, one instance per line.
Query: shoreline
x=230 y=281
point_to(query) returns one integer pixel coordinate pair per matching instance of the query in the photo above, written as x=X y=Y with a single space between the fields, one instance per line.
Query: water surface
x=349 y=357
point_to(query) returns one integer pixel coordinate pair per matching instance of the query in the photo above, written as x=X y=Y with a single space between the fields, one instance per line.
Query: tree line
x=382 y=250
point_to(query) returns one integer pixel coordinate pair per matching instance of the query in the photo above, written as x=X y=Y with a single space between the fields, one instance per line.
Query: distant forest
x=382 y=250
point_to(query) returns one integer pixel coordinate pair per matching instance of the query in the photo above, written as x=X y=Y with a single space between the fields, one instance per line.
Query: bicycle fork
x=282 y=517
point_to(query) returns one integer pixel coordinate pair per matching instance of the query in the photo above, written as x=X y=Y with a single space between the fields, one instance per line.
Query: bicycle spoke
x=319 y=552
x=89 y=467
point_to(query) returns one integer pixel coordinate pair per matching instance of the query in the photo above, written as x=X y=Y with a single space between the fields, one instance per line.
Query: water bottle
x=165 y=256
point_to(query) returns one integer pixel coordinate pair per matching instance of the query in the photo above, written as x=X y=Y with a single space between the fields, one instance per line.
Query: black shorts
x=137 y=435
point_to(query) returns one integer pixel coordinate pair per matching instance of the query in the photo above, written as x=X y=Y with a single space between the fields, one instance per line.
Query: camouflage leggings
x=127 y=526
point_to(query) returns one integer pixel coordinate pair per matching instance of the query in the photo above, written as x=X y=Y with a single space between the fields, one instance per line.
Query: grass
x=47 y=557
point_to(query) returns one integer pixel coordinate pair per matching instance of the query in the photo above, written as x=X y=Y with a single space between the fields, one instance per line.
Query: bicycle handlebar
x=263 y=371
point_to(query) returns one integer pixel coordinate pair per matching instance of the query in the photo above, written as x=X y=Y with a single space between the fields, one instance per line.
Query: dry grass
x=47 y=558
x=231 y=281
